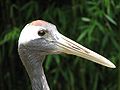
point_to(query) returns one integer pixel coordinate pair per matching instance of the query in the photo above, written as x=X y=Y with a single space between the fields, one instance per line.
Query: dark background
x=92 y=23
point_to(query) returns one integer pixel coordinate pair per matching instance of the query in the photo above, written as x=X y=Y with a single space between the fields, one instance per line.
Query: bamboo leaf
x=85 y=19
x=110 y=19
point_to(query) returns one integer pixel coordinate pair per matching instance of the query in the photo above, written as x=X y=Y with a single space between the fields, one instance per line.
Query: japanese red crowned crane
x=40 y=38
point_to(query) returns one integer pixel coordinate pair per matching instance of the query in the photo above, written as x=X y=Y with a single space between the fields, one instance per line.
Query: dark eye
x=41 y=33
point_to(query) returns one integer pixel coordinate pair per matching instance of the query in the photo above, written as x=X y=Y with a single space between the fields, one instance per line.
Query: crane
x=40 y=38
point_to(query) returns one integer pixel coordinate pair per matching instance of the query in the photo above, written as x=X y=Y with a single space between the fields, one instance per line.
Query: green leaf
x=85 y=19
x=57 y=59
x=82 y=35
x=116 y=44
x=11 y=36
x=48 y=62
x=105 y=41
x=110 y=19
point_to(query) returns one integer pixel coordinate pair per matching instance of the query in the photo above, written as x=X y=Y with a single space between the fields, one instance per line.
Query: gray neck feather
x=33 y=64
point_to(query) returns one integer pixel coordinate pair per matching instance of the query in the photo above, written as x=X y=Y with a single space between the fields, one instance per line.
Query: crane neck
x=33 y=64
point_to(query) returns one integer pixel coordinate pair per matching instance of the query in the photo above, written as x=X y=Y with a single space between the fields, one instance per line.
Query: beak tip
x=112 y=66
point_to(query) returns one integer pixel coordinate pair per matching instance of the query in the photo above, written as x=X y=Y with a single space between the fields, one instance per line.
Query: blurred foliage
x=93 y=23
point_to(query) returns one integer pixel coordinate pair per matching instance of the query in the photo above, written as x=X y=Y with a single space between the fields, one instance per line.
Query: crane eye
x=41 y=32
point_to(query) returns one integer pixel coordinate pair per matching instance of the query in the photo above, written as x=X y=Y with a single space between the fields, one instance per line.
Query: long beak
x=68 y=46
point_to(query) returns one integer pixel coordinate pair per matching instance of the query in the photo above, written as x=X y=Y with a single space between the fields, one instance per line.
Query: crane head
x=43 y=37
